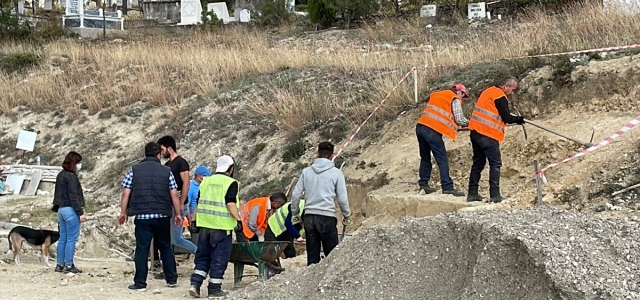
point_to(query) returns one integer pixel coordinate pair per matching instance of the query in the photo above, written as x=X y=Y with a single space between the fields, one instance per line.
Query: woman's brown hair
x=71 y=160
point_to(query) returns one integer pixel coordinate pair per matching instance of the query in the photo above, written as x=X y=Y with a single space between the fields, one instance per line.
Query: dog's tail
x=10 y=244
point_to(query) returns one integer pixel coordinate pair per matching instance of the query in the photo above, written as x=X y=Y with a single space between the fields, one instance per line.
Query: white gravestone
x=428 y=11
x=220 y=9
x=245 y=16
x=21 y=7
x=48 y=4
x=190 y=12
x=477 y=10
x=74 y=7
x=290 y=5
x=92 y=5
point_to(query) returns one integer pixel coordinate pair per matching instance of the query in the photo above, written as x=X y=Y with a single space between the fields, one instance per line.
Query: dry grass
x=162 y=71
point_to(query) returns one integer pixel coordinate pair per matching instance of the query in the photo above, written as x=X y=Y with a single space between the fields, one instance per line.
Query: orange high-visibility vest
x=438 y=114
x=263 y=203
x=485 y=118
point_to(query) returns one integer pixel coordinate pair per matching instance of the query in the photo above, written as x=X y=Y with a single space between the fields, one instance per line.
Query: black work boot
x=474 y=198
x=59 y=268
x=427 y=189
x=215 y=291
x=194 y=291
x=496 y=199
x=71 y=269
x=454 y=193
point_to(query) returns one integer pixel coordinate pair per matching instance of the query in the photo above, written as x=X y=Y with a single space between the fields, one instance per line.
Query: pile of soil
x=537 y=253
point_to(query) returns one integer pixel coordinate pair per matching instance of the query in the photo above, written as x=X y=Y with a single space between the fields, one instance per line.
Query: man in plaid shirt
x=442 y=117
x=150 y=194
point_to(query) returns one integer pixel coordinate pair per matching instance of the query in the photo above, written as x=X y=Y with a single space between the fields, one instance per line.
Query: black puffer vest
x=150 y=189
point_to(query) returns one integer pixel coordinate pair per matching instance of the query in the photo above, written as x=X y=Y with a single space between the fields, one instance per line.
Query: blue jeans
x=212 y=257
x=485 y=149
x=69 y=223
x=176 y=235
x=430 y=141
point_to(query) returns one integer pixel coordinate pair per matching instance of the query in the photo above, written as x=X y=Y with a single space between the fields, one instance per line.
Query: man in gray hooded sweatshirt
x=322 y=183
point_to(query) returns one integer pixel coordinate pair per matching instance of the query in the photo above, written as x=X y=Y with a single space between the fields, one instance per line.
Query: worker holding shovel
x=487 y=125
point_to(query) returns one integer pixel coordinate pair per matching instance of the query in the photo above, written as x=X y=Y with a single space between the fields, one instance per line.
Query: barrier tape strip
x=372 y=113
x=604 y=49
x=593 y=148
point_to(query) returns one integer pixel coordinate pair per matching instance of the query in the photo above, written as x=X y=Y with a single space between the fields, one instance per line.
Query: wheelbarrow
x=263 y=255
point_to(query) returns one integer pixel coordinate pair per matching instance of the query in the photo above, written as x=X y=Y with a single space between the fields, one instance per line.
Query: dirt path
x=101 y=280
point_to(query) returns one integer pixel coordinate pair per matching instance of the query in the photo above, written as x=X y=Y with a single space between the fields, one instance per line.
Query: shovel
x=585 y=145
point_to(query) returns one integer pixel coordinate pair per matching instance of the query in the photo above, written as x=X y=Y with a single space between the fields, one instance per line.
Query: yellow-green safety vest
x=212 y=209
x=276 y=221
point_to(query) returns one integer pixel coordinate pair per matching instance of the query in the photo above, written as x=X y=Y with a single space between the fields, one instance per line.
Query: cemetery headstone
x=477 y=10
x=190 y=12
x=428 y=11
x=245 y=16
x=221 y=11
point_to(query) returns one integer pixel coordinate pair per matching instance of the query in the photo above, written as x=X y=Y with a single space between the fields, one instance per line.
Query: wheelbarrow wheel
x=273 y=272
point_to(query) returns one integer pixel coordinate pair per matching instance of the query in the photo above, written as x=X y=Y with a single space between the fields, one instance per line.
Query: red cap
x=461 y=88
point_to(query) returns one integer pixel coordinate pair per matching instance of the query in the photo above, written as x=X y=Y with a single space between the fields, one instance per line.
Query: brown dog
x=36 y=238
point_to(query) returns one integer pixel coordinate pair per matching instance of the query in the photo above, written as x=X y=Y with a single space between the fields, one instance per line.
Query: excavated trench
x=541 y=253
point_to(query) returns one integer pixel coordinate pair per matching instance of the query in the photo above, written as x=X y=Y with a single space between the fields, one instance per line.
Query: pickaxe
x=585 y=145
x=523 y=128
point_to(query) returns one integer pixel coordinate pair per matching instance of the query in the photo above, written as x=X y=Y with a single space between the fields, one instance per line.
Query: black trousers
x=320 y=231
x=159 y=230
x=485 y=149
x=290 y=251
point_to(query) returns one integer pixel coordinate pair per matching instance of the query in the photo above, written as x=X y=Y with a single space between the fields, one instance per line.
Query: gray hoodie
x=322 y=183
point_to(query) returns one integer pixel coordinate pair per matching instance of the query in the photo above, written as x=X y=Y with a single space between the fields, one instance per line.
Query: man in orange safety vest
x=487 y=124
x=442 y=116
x=255 y=215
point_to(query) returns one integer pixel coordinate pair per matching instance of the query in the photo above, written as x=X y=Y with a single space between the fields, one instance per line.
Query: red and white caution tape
x=372 y=113
x=593 y=148
x=594 y=50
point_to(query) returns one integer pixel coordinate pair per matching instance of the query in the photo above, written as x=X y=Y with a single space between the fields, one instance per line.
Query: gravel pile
x=538 y=253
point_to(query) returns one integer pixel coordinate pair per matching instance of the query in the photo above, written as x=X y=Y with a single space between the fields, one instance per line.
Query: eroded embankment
x=541 y=253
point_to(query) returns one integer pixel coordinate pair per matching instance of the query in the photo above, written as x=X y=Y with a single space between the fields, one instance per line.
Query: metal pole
x=104 y=22
x=415 y=84
x=538 y=187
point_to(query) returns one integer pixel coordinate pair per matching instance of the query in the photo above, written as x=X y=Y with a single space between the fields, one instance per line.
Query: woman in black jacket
x=68 y=201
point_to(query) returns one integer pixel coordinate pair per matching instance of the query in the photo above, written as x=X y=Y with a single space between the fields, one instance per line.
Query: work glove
x=193 y=228
x=238 y=227
x=519 y=120
x=346 y=221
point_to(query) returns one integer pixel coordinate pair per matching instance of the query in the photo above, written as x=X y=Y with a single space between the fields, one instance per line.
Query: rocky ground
x=541 y=253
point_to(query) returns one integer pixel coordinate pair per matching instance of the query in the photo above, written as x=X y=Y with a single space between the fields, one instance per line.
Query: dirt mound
x=541 y=253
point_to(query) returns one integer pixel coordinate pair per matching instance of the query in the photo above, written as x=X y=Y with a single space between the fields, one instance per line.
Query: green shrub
x=210 y=20
x=12 y=28
x=274 y=13
x=321 y=12
x=18 y=62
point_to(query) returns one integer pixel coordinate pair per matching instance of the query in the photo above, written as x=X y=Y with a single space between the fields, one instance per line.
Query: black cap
x=151 y=149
